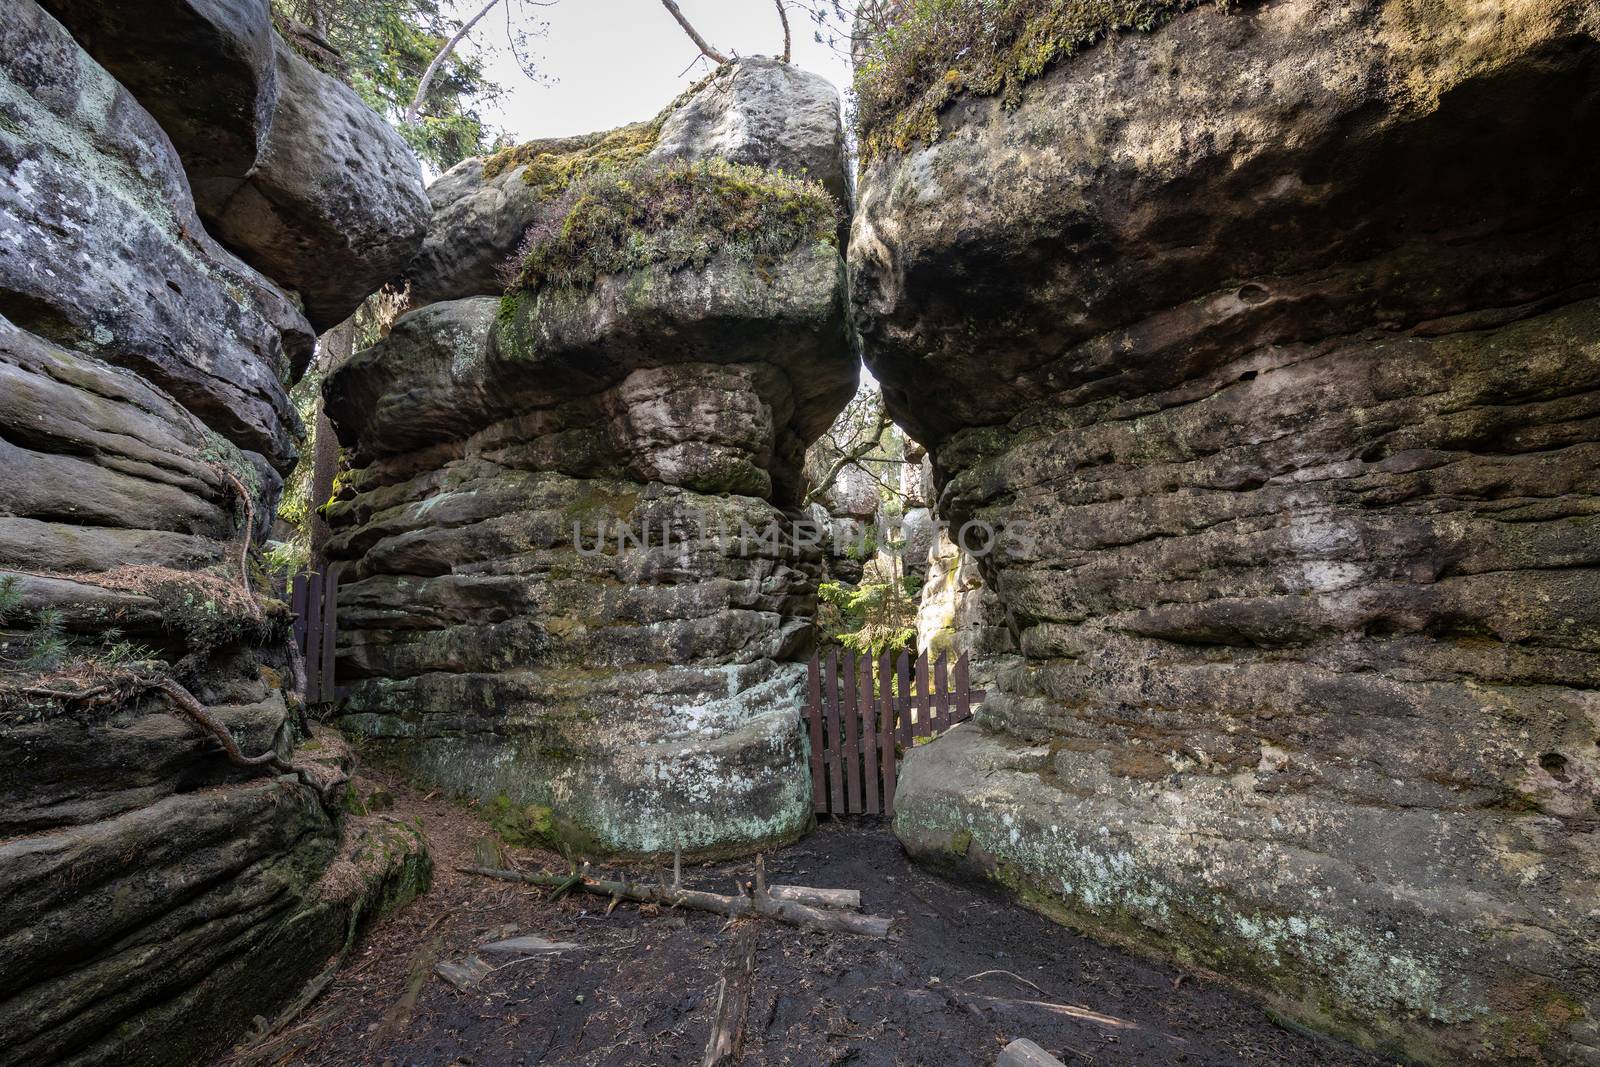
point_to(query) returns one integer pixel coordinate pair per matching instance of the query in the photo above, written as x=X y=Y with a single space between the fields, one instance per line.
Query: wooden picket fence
x=862 y=711
x=314 y=600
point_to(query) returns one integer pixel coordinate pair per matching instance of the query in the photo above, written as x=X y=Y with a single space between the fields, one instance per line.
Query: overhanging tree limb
x=438 y=60
x=851 y=456
x=694 y=34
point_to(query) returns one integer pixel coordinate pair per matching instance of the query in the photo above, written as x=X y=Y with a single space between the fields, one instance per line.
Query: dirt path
x=642 y=988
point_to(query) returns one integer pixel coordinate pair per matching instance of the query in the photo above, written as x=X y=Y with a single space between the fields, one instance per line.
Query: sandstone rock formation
x=105 y=254
x=551 y=604
x=158 y=899
x=1269 y=339
x=755 y=111
x=957 y=613
x=204 y=70
x=289 y=168
x=334 y=206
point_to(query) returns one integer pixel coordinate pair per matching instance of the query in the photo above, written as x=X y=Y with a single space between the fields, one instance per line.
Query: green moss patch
x=670 y=215
x=555 y=163
x=934 y=50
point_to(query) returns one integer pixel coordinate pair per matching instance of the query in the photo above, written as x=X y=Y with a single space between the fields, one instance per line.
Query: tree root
x=186 y=704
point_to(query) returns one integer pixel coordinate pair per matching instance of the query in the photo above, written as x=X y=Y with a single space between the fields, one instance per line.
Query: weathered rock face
x=334 y=206
x=157 y=899
x=105 y=254
x=289 y=167
x=574 y=591
x=957 y=613
x=767 y=113
x=1268 y=340
x=554 y=603
x=754 y=111
x=203 y=69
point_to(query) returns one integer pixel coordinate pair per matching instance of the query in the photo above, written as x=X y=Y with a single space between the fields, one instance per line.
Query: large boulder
x=755 y=111
x=1265 y=341
x=103 y=252
x=334 y=206
x=289 y=167
x=573 y=590
x=204 y=70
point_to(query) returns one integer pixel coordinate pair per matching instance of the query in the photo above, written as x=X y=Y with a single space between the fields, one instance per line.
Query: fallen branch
x=849 y=899
x=733 y=1002
x=762 y=904
x=1008 y=974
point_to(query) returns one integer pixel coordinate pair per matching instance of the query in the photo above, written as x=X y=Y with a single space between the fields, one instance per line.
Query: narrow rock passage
x=641 y=989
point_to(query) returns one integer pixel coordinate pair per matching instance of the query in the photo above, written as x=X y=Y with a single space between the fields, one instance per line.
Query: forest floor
x=962 y=973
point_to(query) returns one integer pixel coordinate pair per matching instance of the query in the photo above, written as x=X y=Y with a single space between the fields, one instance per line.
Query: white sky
x=619 y=61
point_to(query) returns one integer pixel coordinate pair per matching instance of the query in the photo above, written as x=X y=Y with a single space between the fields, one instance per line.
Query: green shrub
x=873 y=617
x=934 y=50
x=675 y=215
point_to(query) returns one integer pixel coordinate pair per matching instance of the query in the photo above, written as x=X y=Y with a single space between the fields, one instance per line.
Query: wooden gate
x=314 y=600
x=862 y=711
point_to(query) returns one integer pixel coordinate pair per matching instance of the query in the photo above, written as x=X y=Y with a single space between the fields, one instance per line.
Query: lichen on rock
x=1256 y=338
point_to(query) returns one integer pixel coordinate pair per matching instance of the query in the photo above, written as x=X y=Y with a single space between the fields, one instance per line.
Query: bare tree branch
x=438 y=60
x=784 y=17
x=850 y=456
x=694 y=35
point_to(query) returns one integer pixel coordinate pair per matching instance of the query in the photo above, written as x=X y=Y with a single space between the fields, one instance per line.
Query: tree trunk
x=783 y=16
x=337 y=344
x=438 y=60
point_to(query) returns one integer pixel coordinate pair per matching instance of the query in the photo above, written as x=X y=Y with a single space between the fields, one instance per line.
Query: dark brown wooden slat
x=813 y=714
x=852 y=737
x=869 y=734
x=886 y=729
x=330 y=631
x=924 y=705
x=902 y=719
x=963 y=693
x=940 y=720
x=297 y=605
x=313 y=646
x=831 y=708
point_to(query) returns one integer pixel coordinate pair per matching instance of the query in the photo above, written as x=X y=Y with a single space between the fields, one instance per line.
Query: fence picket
x=941 y=696
x=819 y=786
x=831 y=705
x=886 y=677
x=869 y=735
x=924 y=703
x=963 y=707
x=852 y=737
x=902 y=721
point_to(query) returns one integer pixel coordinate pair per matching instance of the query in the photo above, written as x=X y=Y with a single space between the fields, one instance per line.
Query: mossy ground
x=671 y=215
x=934 y=50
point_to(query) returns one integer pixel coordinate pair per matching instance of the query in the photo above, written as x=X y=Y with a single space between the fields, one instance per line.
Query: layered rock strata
x=1268 y=341
x=158 y=899
x=573 y=589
